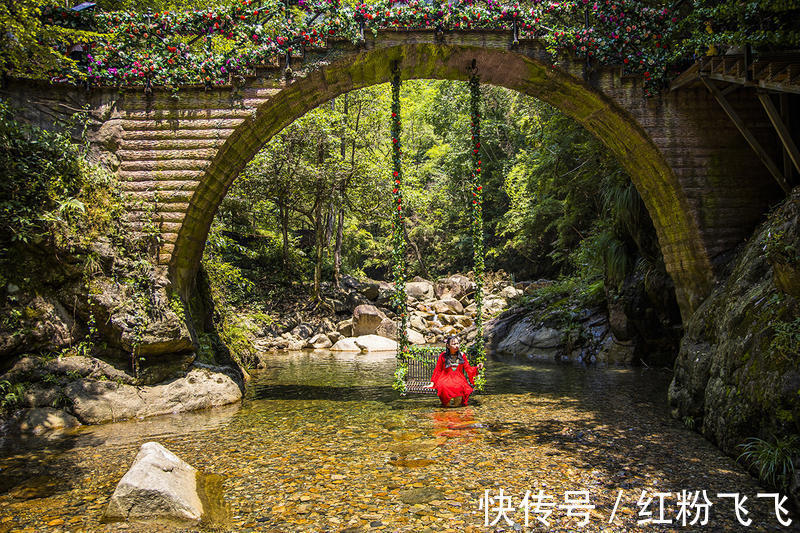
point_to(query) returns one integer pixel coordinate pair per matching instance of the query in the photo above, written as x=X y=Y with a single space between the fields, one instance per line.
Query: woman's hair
x=450 y=338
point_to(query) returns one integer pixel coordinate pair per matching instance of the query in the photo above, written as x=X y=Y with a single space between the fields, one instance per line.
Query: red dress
x=448 y=378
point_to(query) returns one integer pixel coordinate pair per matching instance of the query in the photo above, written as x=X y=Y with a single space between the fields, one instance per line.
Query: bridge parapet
x=176 y=154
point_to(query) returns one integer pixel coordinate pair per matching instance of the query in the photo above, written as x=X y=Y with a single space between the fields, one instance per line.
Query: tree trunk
x=319 y=234
x=337 y=251
x=284 y=215
x=422 y=266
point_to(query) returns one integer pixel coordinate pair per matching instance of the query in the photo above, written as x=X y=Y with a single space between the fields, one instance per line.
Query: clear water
x=322 y=443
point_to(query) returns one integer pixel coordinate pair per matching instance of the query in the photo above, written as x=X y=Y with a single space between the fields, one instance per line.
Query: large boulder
x=365 y=343
x=421 y=290
x=449 y=306
x=415 y=337
x=43 y=419
x=124 y=326
x=348 y=344
x=510 y=292
x=528 y=338
x=43 y=325
x=345 y=327
x=95 y=402
x=388 y=329
x=456 y=286
x=375 y=343
x=367 y=319
x=319 y=341
x=160 y=485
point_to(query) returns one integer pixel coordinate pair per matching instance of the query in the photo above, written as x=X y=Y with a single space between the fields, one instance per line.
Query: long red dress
x=449 y=380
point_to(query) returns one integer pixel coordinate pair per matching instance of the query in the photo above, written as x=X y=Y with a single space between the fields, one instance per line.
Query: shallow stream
x=322 y=443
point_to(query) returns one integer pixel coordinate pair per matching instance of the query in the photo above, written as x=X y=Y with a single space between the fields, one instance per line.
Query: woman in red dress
x=448 y=378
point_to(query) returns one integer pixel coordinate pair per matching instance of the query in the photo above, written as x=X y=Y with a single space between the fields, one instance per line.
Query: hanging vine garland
x=478 y=348
x=399 y=301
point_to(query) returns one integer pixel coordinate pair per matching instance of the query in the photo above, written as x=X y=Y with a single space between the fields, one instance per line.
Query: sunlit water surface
x=322 y=442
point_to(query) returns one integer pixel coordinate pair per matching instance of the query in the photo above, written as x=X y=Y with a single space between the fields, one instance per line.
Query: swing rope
x=406 y=353
x=399 y=301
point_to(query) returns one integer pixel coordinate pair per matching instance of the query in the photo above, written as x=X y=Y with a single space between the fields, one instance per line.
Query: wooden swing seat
x=419 y=373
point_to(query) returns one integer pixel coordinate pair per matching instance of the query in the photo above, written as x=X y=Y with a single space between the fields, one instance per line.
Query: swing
x=415 y=364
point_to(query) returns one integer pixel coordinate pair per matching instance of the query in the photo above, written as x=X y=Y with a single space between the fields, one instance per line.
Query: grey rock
x=387 y=328
x=448 y=305
x=42 y=419
x=120 y=321
x=375 y=343
x=319 y=341
x=421 y=290
x=159 y=484
x=95 y=402
x=420 y=495
x=345 y=327
x=303 y=331
x=456 y=286
x=367 y=319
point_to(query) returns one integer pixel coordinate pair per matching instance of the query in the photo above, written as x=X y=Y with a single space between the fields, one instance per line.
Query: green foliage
x=41 y=177
x=773 y=460
x=713 y=26
x=11 y=394
x=29 y=48
x=786 y=342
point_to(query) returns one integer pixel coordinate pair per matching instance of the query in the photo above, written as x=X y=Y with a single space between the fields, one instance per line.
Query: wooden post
x=787 y=163
x=780 y=126
x=748 y=136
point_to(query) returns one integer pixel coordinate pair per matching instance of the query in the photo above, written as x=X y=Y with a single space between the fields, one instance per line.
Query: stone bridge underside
x=177 y=156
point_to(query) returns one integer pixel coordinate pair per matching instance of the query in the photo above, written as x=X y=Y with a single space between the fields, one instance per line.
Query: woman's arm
x=472 y=371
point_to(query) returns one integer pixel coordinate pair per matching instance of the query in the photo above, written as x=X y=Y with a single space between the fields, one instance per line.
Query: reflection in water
x=321 y=441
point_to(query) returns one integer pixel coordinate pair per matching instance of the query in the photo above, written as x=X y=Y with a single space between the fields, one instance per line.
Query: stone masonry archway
x=615 y=127
x=177 y=155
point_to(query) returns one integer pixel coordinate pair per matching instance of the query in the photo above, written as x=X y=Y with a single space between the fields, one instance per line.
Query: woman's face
x=453 y=344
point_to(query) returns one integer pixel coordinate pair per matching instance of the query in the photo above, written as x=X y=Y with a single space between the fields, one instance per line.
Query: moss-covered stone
x=731 y=375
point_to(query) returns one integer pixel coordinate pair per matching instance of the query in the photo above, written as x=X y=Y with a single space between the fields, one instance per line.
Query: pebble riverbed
x=322 y=443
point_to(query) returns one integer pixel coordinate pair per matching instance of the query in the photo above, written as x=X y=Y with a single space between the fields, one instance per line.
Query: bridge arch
x=678 y=230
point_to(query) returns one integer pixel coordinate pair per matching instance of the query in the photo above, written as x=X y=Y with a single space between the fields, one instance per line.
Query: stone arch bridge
x=177 y=155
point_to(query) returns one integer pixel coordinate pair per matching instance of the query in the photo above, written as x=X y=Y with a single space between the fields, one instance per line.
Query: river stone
x=387 y=329
x=303 y=331
x=421 y=290
x=510 y=292
x=527 y=338
x=319 y=341
x=370 y=290
x=367 y=319
x=95 y=402
x=163 y=334
x=449 y=306
x=415 y=337
x=345 y=327
x=348 y=344
x=420 y=495
x=457 y=286
x=493 y=305
x=417 y=322
x=375 y=343
x=159 y=484
x=43 y=419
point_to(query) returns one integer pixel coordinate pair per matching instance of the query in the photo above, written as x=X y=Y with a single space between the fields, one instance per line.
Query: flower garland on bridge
x=213 y=45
